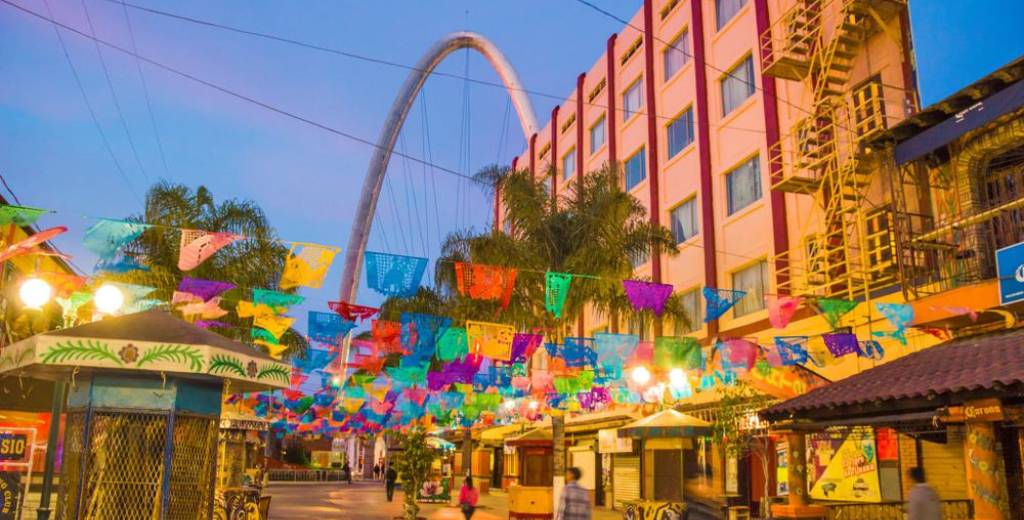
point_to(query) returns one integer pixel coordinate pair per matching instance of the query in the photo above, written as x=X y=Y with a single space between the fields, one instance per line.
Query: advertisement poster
x=843 y=465
x=10 y=494
x=782 y=468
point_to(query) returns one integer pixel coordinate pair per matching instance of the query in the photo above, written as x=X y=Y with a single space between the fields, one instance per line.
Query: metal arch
x=393 y=125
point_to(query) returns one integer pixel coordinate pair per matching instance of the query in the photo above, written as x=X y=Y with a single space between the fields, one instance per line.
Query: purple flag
x=841 y=344
x=208 y=324
x=524 y=345
x=647 y=295
x=204 y=289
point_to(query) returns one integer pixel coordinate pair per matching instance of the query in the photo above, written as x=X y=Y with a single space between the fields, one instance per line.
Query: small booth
x=437 y=487
x=142 y=410
x=240 y=467
x=531 y=475
x=673 y=445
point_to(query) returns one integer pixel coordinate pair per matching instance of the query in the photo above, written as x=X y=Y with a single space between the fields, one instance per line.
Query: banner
x=843 y=465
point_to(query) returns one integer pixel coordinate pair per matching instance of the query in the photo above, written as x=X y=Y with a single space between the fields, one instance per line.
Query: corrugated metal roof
x=983 y=362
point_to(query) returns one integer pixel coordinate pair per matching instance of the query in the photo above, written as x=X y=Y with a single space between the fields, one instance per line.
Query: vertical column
x=654 y=172
x=986 y=479
x=707 y=221
x=533 y=156
x=555 y=159
x=776 y=199
x=798 y=505
x=579 y=127
x=611 y=118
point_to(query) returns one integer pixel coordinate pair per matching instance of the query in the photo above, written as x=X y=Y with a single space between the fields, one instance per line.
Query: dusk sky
x=306 y=179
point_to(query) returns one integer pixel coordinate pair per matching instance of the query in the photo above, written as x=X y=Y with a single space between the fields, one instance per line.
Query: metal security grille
x=124 y=466
x=192 y=468
x=74 y=434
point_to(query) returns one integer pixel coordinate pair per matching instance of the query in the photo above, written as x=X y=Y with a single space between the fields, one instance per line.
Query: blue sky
x=308 y=180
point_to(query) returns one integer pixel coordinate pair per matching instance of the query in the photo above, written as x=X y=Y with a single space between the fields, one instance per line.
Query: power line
x=234 y=94
x=380 y=61
x=85 y=97
x=145 y=90
x=113 y=93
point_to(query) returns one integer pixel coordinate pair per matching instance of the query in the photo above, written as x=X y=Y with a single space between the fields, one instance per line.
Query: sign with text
x=14 y=446
x=983 y=410
x=10 y=494
x=1010 y=270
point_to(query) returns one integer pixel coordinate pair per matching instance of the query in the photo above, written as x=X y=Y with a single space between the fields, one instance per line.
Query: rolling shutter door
x=625 y=478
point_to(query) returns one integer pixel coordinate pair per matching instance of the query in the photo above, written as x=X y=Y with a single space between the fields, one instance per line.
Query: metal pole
x=56 y=409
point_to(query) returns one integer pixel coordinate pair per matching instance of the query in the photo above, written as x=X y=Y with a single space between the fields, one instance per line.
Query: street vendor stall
x=143 y=410
x=240 y=467
x=531 y=494
x=668 y=440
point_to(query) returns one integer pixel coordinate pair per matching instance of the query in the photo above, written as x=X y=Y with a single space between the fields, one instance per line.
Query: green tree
x=413 y=467
x=253 y=262
x=739 y=432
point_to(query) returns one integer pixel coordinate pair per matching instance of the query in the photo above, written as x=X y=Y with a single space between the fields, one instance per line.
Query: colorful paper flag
x=718 y=301
x=106 y=237
x=841 y=344
x=556 y=289
x=197 y=245
x=204 y=289
x=834 y=309
x=647 y=295
x=307 y=265
x=781 y=309
x=394 y=275
x=791 y=349
x=351 y=311
x=485 y=282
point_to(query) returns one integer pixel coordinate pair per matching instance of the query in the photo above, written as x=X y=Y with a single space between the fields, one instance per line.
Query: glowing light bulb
x=677 y=378
x=35 y=292
x=641 y=375
x=336 y=381
x=510 y=405
x=108 y=299
x=534 y=405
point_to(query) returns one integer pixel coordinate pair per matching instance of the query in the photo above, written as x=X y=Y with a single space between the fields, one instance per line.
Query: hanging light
x=108 y=299
x=534 y=405
x=336 y=380
x=677 y=378
x=641 y=375
x=35 y=292
x=510 y=405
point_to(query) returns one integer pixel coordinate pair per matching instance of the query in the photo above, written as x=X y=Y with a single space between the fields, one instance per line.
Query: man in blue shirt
x=575 y=501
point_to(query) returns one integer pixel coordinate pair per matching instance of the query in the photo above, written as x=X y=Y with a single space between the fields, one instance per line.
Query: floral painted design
x=129 y=353
x=252 y=369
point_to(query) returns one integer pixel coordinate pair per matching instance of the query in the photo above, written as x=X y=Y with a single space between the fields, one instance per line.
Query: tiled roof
x=967 y=364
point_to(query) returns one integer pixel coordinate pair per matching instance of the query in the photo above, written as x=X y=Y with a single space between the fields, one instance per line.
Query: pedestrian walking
x=376 y=471
x=924 y=501
x=468 y=497
x=575 y=501
x=390 y=476
x=346 y=471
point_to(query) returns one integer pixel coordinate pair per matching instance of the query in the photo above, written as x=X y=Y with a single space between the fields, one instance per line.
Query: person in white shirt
x=923 y=503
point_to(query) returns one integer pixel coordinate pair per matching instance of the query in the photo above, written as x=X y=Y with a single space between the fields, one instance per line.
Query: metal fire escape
x=817 y=42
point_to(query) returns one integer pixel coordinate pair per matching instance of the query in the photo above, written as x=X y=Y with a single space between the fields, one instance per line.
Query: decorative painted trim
x=81 y=350
x=181 y=354
x=221 y=363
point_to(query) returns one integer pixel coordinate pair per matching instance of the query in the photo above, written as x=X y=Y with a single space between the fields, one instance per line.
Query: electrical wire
x=85 y=97
x=145 y=90
x=113 y=93
x=232 y=93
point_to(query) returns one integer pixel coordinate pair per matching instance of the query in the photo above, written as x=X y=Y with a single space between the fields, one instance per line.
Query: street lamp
x=677 y=378
x=35 y=292
x=641 y=375
x=108 y=299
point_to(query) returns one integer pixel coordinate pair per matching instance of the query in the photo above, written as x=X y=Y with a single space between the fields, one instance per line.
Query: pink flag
x=198 y=245
x=781 y=309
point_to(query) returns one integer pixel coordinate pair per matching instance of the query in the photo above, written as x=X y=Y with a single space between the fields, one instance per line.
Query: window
x=753 y=280
x=684 y=221
x=676 y=54
x=636 y=169
x=869 y=108
x=680 y=133
x=726 y=9
x=737 y=85
x=691 y=303
x=569 y=163
x=597 y=134
x=632 y=99
x=744 y=185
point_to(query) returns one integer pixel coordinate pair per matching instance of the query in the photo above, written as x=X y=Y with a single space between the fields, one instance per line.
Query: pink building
x=740 y=123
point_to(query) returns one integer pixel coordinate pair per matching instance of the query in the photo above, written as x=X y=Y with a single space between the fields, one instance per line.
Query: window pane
x=744 y=185
x=632 y=100
x=680 y=133
x=636 y=169
x=726 y=9
x=753 y=280
x=597 y=135
x=676 y=55
x=737 y=86
x=691 y=303
x=569 y=164
x=684 y=221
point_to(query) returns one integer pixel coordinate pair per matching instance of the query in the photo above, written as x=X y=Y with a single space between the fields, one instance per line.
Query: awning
x=154 y=342
x=667 y=423
x=440 y=444
x=496 y=436
x=987 y=363
x=534 y=437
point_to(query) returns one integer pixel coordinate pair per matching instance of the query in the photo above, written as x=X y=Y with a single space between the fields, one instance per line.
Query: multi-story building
x=742 y=126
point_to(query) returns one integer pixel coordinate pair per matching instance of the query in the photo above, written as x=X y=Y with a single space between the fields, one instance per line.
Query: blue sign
x=1010 y=270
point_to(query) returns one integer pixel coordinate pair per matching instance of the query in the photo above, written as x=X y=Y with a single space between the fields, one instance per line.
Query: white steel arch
x=363 y=222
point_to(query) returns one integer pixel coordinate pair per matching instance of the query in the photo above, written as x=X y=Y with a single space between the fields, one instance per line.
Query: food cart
x=530 y=492
x=665 y=438
x=142 y=411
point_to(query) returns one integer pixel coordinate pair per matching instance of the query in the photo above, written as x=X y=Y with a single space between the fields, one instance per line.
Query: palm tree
x=594 y=229
x=253 y=262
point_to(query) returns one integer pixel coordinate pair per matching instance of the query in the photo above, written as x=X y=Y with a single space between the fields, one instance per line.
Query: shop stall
x=530 y=490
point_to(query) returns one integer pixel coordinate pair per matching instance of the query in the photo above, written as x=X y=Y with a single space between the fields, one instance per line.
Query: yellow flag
x=307 y=265
x=493 y=340
x=275 y=325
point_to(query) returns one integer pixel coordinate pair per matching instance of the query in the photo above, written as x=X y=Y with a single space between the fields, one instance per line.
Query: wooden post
x=798 y=505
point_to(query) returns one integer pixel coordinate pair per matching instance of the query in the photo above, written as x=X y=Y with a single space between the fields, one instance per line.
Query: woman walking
x=468 y=497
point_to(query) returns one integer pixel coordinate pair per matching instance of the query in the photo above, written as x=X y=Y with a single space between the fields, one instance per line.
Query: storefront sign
x=608 y=441
x=984 y=410
x=1010 y=266
x=10 y=494
x=843 y=465
x=14 y=447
